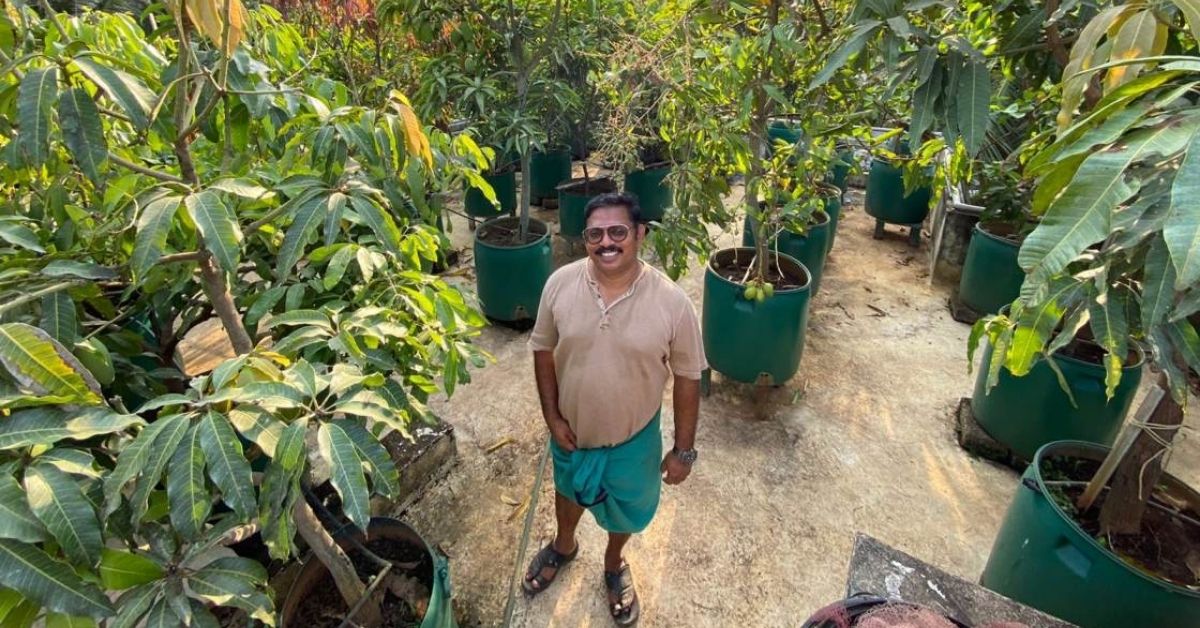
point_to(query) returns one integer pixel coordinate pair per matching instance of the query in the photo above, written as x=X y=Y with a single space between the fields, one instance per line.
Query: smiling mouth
x=608 y=253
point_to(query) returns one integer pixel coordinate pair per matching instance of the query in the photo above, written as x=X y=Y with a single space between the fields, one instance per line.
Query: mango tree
x=159 y=181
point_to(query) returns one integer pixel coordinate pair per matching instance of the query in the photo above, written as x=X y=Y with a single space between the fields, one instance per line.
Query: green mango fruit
x=95 y=357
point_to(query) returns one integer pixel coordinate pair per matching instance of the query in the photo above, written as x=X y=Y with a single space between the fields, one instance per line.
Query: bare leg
x=568 y=514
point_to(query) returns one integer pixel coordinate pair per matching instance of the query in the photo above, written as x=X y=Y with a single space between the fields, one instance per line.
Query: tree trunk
x=1131 y=488
x=336 y=561
x=217 y=289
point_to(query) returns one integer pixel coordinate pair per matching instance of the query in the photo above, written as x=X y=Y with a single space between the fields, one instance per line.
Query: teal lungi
x=620 y=484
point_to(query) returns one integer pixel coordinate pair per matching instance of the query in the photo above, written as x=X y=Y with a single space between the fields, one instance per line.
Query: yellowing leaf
x=209 y=18
x=1142 y=35
x=414 y=137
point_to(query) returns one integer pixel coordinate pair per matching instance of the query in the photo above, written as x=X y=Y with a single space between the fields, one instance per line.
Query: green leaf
x=854 y=43
x=227 y=464
x=59 y=620
x=384 y=476
x=81 y=270
x=257 y=425
x=280 y=489
x=59 y=318
x=335 y=206
x=1052 y=184
x=924 y=105
x=1026 y=30
x=974 y=98
x=346 y=473
x=300 y=317
x=190 y=500
x=121 y=570
x=1082 y=214
x=222 y=236
x=16 y=520
x=1182 y=229
x=236 y=582
x=19 y=235
x=305 y=220
x=162 y=615
x=1111 y=331
x=1158 y=286
x=133 y=604
x=29 y=571
x=46 y=426
x=156 y=459
x=126 y=90
x=153 y=226
x=38 y=90
x=379 y=221
x=57 y=501
x=1140 y=35
x=1191 y=13
x=22 y=614
x=337 y=266
x=37 y=362
x=83 y=132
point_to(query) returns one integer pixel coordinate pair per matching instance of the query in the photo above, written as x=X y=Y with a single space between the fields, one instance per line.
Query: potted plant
x=124 y=493
x=991 y=277
x=1112 y=249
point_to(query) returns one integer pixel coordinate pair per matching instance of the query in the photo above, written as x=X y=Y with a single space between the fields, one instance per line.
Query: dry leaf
x=209 y=18
x=414 y=137
x=507 y=440
x=510 y=501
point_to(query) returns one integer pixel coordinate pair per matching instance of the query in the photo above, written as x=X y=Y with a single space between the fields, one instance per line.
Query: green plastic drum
x=809 y=248
x=886 y=200
x=991 y=277
x=833 y=207
x=571 y=204
x=1024 y=413
x=1043 y=559
x=839 y=173
x=748 y=341
x=510 y=279
x=505 y=186
x=652 y=191
x=782 y=130
x=547 y=170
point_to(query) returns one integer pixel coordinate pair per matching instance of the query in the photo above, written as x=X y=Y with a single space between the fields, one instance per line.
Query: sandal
x=546 y=557
x=627 y=609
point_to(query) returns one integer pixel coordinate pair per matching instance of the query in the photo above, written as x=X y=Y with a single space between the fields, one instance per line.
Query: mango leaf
x=1081 y=216
x=39 y=363
x=1182 y=229
x=162 y=615
x=335 y=207
x=1050 y=186
x=1036 y=325
x=1082 y=53
x=1158 y=285
x=305 y=220
x=346 y=473
x=384 y=476
x=974 y=97
x=236 y=582
x=190 y=500
x=853 y=44
x=1026 y=30
x=280 y=489
x=22 y=614
x=57 y=501
x=29 y=571
x=135 y=99
x=17 y=234
x=924 y=104
x=59 y=318
x=16 y=520
x=121 y=570
x=156 y=459
x=71 y=461
x=83 y=132
x=1187 y=343
x=80 y=270
x=46 y=426
x=257 y=425
x=59 y=620
x=379 y=221
x=1191 y=14
x=227 y=465
x=38 y=90
x=300 y=317
x=1141 y=35
x=133 y=604
x=222 y=236
x=153 y=226
x=1111 y=331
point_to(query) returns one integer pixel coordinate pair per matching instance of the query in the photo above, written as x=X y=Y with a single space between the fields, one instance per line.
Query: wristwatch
x=686 y=456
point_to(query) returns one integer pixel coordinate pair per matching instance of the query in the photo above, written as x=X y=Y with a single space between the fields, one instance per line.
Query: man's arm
x=547 y=385
x=686 y=397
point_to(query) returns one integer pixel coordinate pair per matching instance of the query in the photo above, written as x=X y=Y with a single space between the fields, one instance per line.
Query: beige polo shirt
x=613 y=362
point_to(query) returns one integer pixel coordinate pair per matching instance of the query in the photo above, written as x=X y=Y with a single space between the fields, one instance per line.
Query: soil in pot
x=1084 y=350
x=409 y=580
x=1004 y=231
x=1168 y=546
x=588 y=187
x=734 y=269
x=506 y=232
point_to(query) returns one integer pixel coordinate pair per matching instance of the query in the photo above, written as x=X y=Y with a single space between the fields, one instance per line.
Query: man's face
x=609 y=253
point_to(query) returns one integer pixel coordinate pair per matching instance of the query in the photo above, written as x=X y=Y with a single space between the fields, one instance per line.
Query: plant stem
x=37 y=294
x=217 y=289
x=327 y=551
x=150 y=172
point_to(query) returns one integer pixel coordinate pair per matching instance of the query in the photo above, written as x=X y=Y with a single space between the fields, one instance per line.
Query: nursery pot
x=991 y=277
x=1024 y=413
x=833 y=207
x=1044 y=559
x=839 y=173
x=810 y=248
x=653 y=192
x=432 y=571
x=505 y=186
x=546 y=171
x=573 y=197
x=510 y=276
x=749 y=341
x=885 y=196
x=782 y=129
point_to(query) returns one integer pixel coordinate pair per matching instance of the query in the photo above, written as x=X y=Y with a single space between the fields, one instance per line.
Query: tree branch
x=30 y=297
x=175 y=258
x=150 y=172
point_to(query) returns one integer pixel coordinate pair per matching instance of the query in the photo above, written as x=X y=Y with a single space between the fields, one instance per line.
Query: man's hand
x=673 y=469
x=562 y=434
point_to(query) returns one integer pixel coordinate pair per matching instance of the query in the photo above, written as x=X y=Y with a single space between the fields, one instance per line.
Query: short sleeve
x=687 y=347
x=545 y=331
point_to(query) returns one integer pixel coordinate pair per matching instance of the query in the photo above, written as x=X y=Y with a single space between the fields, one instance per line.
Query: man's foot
x=622 y=598
x=544 y=567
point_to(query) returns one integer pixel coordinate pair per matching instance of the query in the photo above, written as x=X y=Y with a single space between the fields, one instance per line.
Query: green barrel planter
x=886 y=201
x=1024 y=413
x=572 y=200
x=505 y=186
x=510 y=279
x=809 y=248
x=991 y=277
x=652 y=191
x=546 y=171
x=833 y=207
x=743 y=339
x=1044 y=559
x=782 y=130
x=839 y=173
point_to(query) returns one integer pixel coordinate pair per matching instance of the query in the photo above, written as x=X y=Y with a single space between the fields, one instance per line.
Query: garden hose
x=523 y=545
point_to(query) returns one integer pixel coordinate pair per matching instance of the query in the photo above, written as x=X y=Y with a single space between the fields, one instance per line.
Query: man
x=610 y=331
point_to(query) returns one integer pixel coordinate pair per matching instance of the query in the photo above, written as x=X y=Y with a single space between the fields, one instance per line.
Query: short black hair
x=614 y=199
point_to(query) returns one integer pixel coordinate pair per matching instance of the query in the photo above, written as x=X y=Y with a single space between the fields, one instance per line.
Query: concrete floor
x=860 y=440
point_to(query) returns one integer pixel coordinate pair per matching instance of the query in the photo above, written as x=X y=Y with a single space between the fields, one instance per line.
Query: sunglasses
x=616 y=233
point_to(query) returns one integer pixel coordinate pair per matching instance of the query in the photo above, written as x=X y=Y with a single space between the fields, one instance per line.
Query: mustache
x=605 y=249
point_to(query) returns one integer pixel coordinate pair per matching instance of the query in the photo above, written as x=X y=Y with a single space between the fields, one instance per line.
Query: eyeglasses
x=616 y=233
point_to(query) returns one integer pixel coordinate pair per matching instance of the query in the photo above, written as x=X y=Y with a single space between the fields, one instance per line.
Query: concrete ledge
x=887 y=572
x=972 y=437
x=420 y=461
